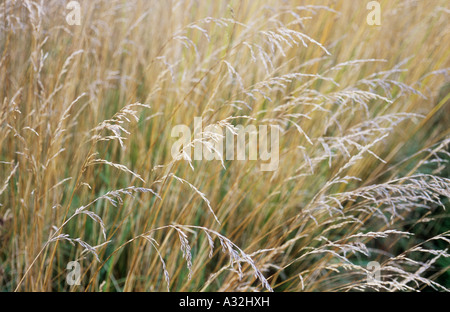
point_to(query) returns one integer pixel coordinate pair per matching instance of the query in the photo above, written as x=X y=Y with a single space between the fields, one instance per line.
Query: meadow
x=93 y=198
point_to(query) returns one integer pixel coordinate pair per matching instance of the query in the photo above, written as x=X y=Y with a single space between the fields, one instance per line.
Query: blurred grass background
x=170 y=56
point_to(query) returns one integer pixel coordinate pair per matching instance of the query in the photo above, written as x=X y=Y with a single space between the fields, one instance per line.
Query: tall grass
x=87 y=175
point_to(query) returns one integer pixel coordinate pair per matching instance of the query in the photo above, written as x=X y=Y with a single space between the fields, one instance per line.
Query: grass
x=87 y=174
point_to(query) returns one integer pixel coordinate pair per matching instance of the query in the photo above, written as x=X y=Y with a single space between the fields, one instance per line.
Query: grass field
x=89 y=182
